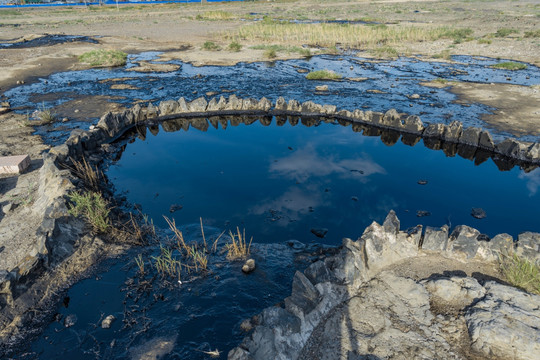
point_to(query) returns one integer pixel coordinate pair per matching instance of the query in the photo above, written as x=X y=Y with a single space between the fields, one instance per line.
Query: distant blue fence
x=109 y=2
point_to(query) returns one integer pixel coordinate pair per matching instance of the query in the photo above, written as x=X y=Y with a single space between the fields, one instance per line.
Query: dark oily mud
x=282 y=178
x=161 y=316
x=389 y=84
x=46 y=40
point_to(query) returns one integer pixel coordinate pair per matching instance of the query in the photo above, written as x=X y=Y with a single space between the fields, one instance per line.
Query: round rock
x=249 y=266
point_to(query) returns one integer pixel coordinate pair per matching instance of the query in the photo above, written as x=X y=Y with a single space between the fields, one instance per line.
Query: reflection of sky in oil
x=281 y=181
x=533 y=181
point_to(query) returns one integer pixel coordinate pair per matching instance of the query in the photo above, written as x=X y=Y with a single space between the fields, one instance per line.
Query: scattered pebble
x=249 y=266
x=422 y=182
x=70 y=320
x=478 y=213
x=321 y=88
x=106 y=323
x=319 y=232
x=175 y=207
x=354 y=198
x=422 y=213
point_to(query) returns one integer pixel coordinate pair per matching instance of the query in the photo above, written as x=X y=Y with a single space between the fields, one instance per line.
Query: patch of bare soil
x=517 y=108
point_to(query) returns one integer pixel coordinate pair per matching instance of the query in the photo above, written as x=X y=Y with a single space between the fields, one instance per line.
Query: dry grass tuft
x=238 y=248
x=521 y=273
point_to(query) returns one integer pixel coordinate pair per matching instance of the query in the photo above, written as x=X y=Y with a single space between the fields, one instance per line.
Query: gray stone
x=470 y=136
x=319 y=232
x=462 y=243
x=321 y=88
x=70 y=320
x=319 y=272
x=478 y=213
x=264 y=104
x=533 y=152
x=528 y=246
x=151 y=111
x=309 y=107
x=508 y=147
x=234 y=103
x=504 y=324
x=434 y=131
x=250 y=104
x=345 y=113
x=304 y=296
x=222 y=103
x=453 y=132
x=249 y=266
x=460 y=292
x=391 y=223
x=182 y=106
x=294 y=106
x=107 y=322
x=212 y=105
x=239 y=354
x=485 y=141
x=198 y=105
x=413 y=125
x=281 y=104
x=329 y=109
x=392 y=119
x=168 y=107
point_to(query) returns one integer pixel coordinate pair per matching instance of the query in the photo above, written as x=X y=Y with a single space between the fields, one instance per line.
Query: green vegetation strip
x=104 y=58
x=353 y=36
x=522 y=273
x=323 y=75
x=510 y=65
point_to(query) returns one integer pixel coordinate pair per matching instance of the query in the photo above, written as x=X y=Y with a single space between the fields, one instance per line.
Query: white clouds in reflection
x=305 y=163
x=533 y=180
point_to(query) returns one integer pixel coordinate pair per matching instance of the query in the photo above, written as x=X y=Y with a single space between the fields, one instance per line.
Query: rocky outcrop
x=452 y=138
x=374 y=299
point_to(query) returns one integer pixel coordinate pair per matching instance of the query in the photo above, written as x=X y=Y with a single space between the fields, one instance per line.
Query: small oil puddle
x=47 y=40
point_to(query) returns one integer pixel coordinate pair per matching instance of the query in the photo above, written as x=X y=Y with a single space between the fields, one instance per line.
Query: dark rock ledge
x=359 y=304
x=452 y=138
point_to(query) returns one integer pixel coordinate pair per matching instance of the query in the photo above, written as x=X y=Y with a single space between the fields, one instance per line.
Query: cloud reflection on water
x=533 y=180
x=306 y=163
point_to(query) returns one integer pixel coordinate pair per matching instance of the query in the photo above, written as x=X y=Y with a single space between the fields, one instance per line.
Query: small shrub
x=323 y=75
x=234 y=46
x=510 y=65
x=532 y=34
x=445 y=54
x=484 y=41
x=238 y=248
x=504 y=32
x=104 y=58
x=46 y=116
x=166 y=264
x=93 y=208
x=521 y=273
x=91 y=176
x=270 y=53
x=385 y=52
x=304 y=52
x=215 y=15
x=210 y=46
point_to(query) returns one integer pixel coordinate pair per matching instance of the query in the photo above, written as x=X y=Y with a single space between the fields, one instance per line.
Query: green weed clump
x=504 y=32
x=238 y=248
x=445 y=54
x=46 y=116
x=235 y=46
x=270 y=53
x=215 y=15
x=510 y=65
x=93 y=207
x=104 y=58
x=323 y=75
x=210 y=46
x=532 y=34
x=385 y=52
x=521 y=273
